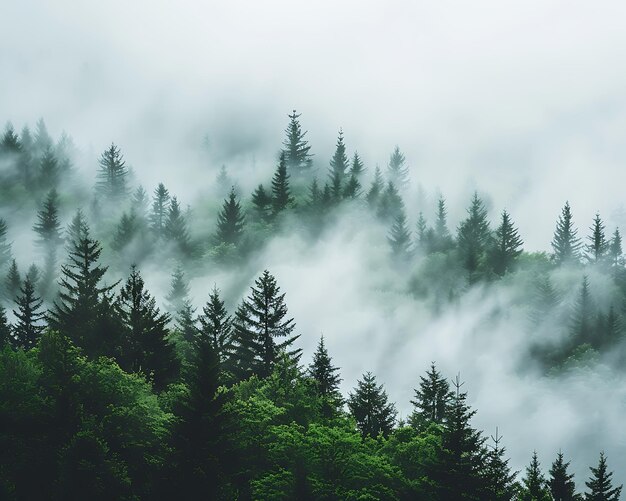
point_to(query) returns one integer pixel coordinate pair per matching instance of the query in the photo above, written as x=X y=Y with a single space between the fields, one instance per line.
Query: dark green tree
x=376 y=188
x=566 y=244
x=48 y=229
x=230 y=221
x=390 y=203
x=178 y=294
x=10 y=146
x=598 y=246
x=125 y=232
x=432 y=399
x=357 y=168
x=297 y=156
x=534 y=485
x=506 y=247
x=13 y=282
x=582 y=323
x=399 y=238
x=216 y=327
x=49 y=175
x=5 y=329
x=326 y=378
x=474 y=238
x=28 y=317
x=371 y=409
x=615 y=251
x=561 y=482
x=500 y=479
x=442 y=239
x=262 y=204
x=160 y=210
x=281 y=195
x=112 y=175
x=338 y=168
x=397 y=170
x=600 y=483
x=352 y=188
x=175 y=230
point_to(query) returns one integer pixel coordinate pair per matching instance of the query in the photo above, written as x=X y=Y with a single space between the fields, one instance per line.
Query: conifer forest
x=412 y=286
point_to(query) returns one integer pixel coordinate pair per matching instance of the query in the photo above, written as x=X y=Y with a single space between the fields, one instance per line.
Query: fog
x=521 y=101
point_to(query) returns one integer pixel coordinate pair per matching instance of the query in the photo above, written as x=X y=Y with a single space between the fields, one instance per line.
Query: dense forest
x=108 y=391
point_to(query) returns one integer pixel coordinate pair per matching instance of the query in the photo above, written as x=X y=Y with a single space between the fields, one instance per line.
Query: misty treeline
x=106 y=395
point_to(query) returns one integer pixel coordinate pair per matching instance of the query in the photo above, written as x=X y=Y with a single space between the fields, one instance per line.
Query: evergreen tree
x=615 y=250
x=357 y=168
x=112 y=175
x=598 y=246
x=535 y=487
x=390 y=204
x=176 y=229
x=500 y=479
x=352 y=189
x=400 y=238
x=338 y=167
x=600 y=484
x=506 y=247
x=545 y=301
x=326 y=379
x=281 y=196
x=432 y=399
x=26 y=162
x=10 y=146
x=296 y=150
x=48 y=227
x=139 y=203
x=370 y=407
x=178 y=294
x=145 y=345
x=49 y=170
x=562 y=486
x=397 y=171
x=474 y=237
x=43 y=141
x=186 y=323
x=77 y=229
x=315 y=195
x=13 y=282
x=160 y=210
x=566 y=244
x=376 y=188
x=261 y=330
x=29 y=317
x=5 y=329
x=262 y=204
x=216 y=327
x=442 y=240
x=5 y=246
x=125 y=232
x=230 y=221
x=582 y=325
x=421 y=232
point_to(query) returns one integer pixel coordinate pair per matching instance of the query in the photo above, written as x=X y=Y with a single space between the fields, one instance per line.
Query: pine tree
x=432 y=399
x=296 y=150
x=421 y=234
x=29 y=317
x=600 y=484
x=112 y=175
x=545 y=301
x=281 y=196
x=326 y=379
x=230 y=221
x=178 y=294
x=338 y=167
x=506 y=247
x=400 y=238
x=262 y=204
x=615 y=250
x=352 y=189
x=376 y=188
x=10 y=146
x=125 y=232
x=160 y=210
x=370 y=407
x=139 y=203
x=357 y=168
x=5 y=245
x=13 y=282
x=535 y=487
x=261 y=330
x=49 y=175
x=562 y=486
x=216 y=327
x=582 y=326
x=500 y=479
x=442 y=240
x=474 y=237
x=43 y=141
x=566 y=244
x=77 y=229
x=176 y=231
x=397 y=171
x=598 y=246
x=145 y=345
x=5 y=329
x=48 y=227
x=390 y=204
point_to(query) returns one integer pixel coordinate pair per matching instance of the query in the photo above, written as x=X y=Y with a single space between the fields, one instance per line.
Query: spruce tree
x=125 y=232
x=600 y=483
x=506 y=247
x=77 y=229
x=139 y=203
x=615 y=250
x=28 y=317
x=145 y=345
x=49 y=175
x=112 y=175
x=356 y=167
x=10 y=146
x=5 y=245
x=178 y=294
x=338 y=168
x=566 y=244
x=376 y=188
x=534 y=485
x=48 y=227
x=442 y=240
x=370 y=407
x=399 y=238
x=598 y=246
x=216 y=327
x=297 y=156
x=160 y=210
x=175 y=230
x=6 y=337
x=582 y=324
x=474 y=238
x=421 y=233
x=545 y=301
x=326 y=379
x=561 y=482
x=281 y=196
x=261 y=330
x=13 y=282
x=230 y=221
x=500 y=479
x=43 y=141
x=26 y=164
x=432 y=399
x=262 y=204
x=390 y=203
x=397 y=170
x=352 y=188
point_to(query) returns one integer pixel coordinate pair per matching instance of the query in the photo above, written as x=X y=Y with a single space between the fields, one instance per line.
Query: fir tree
x=160 y=210
x=48 y=227
x=178 y=294
x=400 y=238
x=49 y=170
x=390 y=204
x=421 y=233
x=230 y=221
x=582 y=325
x=474 y=237
x=370 y=407
x=500 y=479
x=600 y=484
x=175 y=229
x=397 y=171
x=112 y=175
x=5 y=329
x=338 y=167
x=145 y=345
x=125 y=231
x=315 y=195
x=615 y=250
x=10 y=145
x=261 y=329
x=13 y=282
x=77 y=229
x=29 y=317
x=376 y=188
x=506 y=246
x=43 y=141
x=216 y=327
x=432 y=399
x=326 y=379
x=545 y=301
x=26 y=162
x=442 y=240
x=262 y=204
x=352 y=189
x=281 y=196
x=357 y=168
x=139 y=203
x=598 y=246
x=296 y=150
x=562 y=486
x=535 y=487
x=5 y=246
x=566 y=244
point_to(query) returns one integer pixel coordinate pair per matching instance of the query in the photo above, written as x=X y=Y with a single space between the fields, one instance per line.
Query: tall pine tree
x=28 y=317
x=230 y=221
x=600 y=484
x=112 y=175
x=297 y=155
x=370 y=407
x=281 y=195
x=397 y=170
x=506 y=247
x=561 y=482
x=565 y=243
x=326 y=379
x=216 y=327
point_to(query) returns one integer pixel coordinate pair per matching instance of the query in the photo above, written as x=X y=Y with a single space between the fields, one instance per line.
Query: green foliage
x=112 y=175
x=566 y=244
x=296 y=150
x=230 y=221
x=397 y=170
x=474 y=238
x=600 y=485
x=370 y=407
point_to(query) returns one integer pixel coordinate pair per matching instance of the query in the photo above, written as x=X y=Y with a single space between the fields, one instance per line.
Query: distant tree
x=474 y=238
x=43 y=141
x=326 y=378
x=600 y=484
x=598 y=246
x=352 y=188
x=421 y=228
x=296 y=150
x=615 y=251
x=77 y=229
x=390 y=204
x=261 y=330
x=216 y=327
x=432 y=399
x=376 y=188
x=370 y=407
x=5 y=329
x=506 y=247
x=13 y=282
x=399 y=237
x=49 y=175
x=48 y=229
x=338 y=167
x=610 y=331
x=29 y=317
x=33 y=274
x=534 y=485
x=442 y=240
x=139 y=203
x=545 y=301
x=176 y=231
x=561 y=482
x=10 y=145
x=112 y=175
x=26 y=164
x=566 y=244
x=5 y=245
x=178 y=294
x=582 y=323
x=160 y=210
x=397 y=171
x=145 y=345
x=230 y=221
x=125 y=231
x=501 y=484
x=281 y=196
x=262 y=204
x=357 y=168
x=314 y=201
